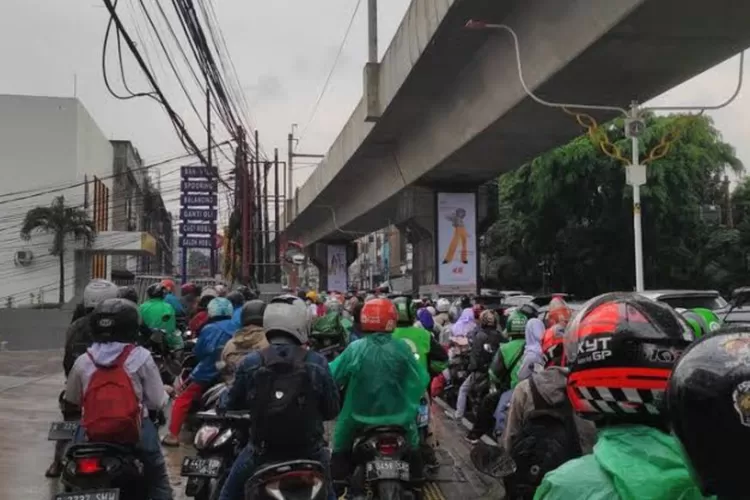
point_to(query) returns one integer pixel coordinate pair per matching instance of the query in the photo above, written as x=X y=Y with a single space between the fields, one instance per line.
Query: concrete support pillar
x=417 y=216
x=318 y=255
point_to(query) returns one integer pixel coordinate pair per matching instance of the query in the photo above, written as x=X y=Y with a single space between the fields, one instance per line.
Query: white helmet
x=208 y=291
x=221 y=290
x=443 y=305
x=98 y=291
x=333 y=305
x=431 y=310
x=289 y=314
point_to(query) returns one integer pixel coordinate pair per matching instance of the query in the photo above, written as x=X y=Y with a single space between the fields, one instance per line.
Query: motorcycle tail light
x=295 y=482
x=88 y=465
x=205 y=436
x=388 y=446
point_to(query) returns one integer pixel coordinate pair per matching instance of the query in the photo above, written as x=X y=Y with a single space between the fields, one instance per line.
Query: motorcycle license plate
x=423 y=419
x=112 y=494
x=200 y=467
x=62 y=431
x=387 y=469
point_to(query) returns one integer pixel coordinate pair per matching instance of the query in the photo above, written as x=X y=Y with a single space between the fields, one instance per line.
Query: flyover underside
x=482 y=124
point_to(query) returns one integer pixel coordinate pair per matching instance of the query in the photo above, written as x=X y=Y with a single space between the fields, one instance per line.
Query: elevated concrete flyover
x=454 y=113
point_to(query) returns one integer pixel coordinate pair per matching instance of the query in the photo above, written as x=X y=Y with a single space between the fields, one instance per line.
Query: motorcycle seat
x=82 y=450
x=272 y=469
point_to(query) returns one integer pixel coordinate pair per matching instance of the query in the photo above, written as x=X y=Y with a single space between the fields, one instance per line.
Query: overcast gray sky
x=282 y=49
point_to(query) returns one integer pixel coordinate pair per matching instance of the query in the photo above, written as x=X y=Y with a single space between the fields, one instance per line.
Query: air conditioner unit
x=23 y=257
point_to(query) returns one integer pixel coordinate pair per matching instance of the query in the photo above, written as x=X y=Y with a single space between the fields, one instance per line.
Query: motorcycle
x=291 y=480
x=218 y=442
x=382 y=470
x=102 y=471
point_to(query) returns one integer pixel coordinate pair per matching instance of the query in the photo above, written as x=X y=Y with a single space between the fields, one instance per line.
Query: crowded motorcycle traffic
x=560 y=403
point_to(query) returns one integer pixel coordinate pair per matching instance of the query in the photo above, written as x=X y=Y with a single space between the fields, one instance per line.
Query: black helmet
x=529 y=309
x=128 y=293
x=708 y=398
x=252 y=313
x=156 y=291
x=246 y=292
x=465 y=302
x=115 y=320
x=236 y=298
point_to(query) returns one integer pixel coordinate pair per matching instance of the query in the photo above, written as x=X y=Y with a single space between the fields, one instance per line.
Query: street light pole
x=635 y=176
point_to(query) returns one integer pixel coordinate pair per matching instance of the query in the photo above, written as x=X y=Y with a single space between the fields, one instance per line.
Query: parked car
x=690 y=299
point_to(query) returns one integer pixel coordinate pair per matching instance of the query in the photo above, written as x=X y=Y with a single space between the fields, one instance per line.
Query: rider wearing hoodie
x=114 y=325
x=250 y=337
x=216 y=333
x=620 y=349
x=551 y=386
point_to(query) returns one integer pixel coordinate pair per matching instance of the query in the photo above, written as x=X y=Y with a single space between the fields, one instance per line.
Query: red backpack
x=111 y=411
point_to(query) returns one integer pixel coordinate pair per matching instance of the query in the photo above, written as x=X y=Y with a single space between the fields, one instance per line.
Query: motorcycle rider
x=620 y=349
x=200 y=318
x=551 y=386
x=250 y=337
x=237 y=299
x=189 y=294
x=171 y=299
x=287 y=323
x=157 y=314
x=708 y=400
x=479 y=358
x=216 y=333
x=390 y=398
x=114 y=327
x=77 y=340
x=503 y=373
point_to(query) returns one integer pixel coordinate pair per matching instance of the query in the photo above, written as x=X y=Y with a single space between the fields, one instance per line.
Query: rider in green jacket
x=620 y=350
x=158 y=315
x=428 y=352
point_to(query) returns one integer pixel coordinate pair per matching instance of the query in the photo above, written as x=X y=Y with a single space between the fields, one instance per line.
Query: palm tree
x=61 y=221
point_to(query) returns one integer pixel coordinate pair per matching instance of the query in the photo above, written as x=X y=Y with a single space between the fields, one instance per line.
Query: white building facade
x=49 y=147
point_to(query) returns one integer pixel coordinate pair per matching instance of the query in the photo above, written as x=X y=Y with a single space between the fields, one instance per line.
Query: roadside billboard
x=337 y=268
x=457 y=256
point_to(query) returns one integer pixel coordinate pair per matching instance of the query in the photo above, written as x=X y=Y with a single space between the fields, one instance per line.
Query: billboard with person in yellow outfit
x=457 y=239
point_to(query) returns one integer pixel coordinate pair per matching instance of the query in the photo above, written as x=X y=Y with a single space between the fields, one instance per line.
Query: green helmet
x=516 y=324
x=404 y=308
x=702 y=321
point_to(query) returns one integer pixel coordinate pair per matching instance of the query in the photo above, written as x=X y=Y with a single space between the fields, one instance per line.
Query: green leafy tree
x=62 y=222
x=569 y=211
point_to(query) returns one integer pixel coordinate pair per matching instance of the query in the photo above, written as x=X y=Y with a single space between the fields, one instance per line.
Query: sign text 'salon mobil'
x=198 y=211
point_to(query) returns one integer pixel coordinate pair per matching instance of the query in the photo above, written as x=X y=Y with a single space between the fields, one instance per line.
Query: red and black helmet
x=620 y=349
x=552 y=346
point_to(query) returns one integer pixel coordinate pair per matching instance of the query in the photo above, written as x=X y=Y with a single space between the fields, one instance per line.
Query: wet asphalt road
x=30 y=382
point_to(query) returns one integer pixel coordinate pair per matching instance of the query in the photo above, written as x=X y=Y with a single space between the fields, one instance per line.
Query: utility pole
x=209 y=158
x=257 y=237
x=635 y=176
x=372 y=30
x=276 y=202
x=291 y=140
x=242 y=178
x=266 y=223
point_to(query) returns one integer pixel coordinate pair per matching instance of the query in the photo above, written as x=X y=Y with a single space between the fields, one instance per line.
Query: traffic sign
x=202 y=172
x=198 y=214
x=200 y=186
x=196 y=242
x=197 y=228
x=199 y=200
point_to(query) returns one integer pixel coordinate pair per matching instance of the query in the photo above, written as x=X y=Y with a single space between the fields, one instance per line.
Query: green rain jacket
x=383 y=385
x=428 y=352
x=153 y=313
x=508 y=357
x=628 y=463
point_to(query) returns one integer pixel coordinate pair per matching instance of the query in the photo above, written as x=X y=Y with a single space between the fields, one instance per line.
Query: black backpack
x=282 y=411
x=548 y=439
